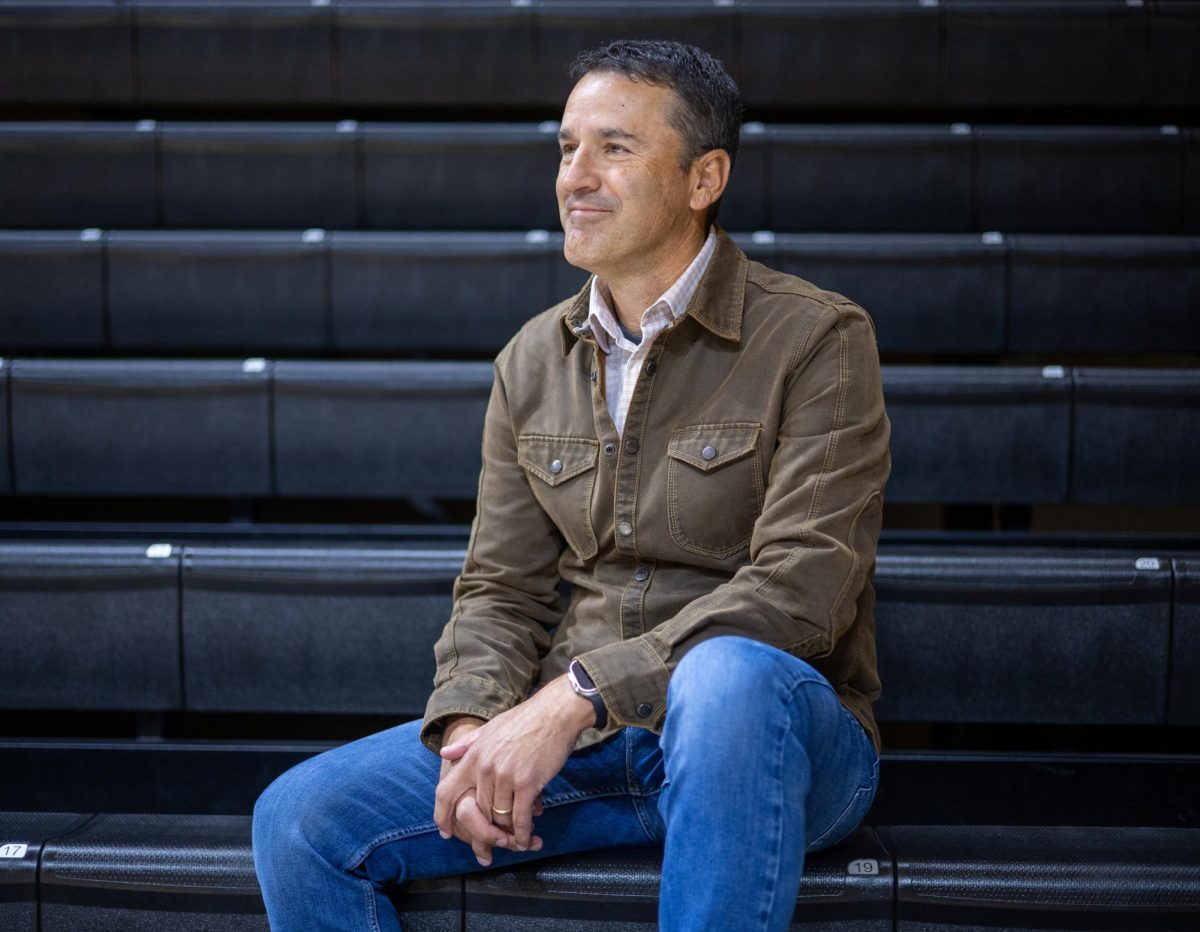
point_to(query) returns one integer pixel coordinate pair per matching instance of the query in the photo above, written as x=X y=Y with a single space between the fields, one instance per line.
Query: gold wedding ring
x=496 y=811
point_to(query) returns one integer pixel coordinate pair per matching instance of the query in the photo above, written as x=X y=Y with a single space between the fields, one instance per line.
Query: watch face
x=580 y=680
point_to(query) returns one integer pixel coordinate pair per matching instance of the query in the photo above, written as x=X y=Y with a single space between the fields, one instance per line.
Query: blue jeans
x=758 y=764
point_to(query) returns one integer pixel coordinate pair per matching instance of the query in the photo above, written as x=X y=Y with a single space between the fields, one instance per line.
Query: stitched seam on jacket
x=839 y=412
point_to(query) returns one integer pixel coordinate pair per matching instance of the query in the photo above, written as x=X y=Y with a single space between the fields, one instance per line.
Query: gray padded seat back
x=51 y=290
x=435 y=176
x=140 y=427
x=1045 y=53
x=1135 y=436
x=1105 y=294
x=900 y=70
x=438 y=292
x=22 y=835
x=870 y=177
x=235 y=52
x=67 y=174
x=259 y=175
x=395 y=430
x=188 y=292
x=976 y=434
x=1036 y=637
x=66 y=51
x=927 y=293
x=313 y=630
x=846 y=888
x=1092 y=179
x=91 y=626
x=1184 y=705
x=974 y=877
x=443 y=52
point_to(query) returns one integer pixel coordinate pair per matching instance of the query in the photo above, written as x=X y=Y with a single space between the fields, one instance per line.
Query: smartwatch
x=583 y=686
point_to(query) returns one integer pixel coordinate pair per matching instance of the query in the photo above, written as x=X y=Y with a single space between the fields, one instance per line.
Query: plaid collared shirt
x=623 y=357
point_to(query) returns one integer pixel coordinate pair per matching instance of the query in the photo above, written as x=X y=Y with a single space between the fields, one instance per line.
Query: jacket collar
x=716 y=305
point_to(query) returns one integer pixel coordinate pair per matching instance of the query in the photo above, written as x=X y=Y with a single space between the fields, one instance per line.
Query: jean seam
x=776 y=845
x=372 y=913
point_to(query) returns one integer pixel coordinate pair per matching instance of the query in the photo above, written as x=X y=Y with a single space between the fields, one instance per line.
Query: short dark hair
x=708 y=114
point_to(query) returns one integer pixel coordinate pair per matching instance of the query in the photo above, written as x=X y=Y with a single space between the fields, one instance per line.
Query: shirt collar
x=716 y=303
x=603 y=321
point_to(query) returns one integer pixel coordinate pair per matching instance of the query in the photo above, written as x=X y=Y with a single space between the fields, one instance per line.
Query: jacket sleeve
x=506 y=599
x=813 y=544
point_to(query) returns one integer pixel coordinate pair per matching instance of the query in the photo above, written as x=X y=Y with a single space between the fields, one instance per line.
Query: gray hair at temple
x=708 y=109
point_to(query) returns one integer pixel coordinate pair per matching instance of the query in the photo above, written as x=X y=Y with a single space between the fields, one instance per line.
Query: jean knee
x=729 y=665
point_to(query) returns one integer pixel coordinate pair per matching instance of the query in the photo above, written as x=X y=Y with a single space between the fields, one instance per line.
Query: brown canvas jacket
x=744 y=498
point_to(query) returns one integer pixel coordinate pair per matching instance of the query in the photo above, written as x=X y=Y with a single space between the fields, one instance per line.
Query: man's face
x=622 y=197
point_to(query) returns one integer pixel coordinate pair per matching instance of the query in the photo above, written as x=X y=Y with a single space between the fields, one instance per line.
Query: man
x=698 y=446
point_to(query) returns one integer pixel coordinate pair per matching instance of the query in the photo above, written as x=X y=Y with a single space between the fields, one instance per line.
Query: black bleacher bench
x=514 y=53
x=468 y=292
x=135 y=872
x=964 y=635
x=254 y=428
x=930 y=178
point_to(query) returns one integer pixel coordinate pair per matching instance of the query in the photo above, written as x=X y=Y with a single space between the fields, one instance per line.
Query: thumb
x=458 y=747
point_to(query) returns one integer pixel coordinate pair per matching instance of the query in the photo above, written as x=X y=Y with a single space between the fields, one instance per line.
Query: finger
x=480 y=833
x=522 y=822
x=459 y=746
x=445 y=798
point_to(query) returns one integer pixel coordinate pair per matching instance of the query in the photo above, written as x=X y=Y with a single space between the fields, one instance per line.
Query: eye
x=567 y=149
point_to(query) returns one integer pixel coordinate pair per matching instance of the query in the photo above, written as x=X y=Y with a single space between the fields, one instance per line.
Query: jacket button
x=651 y=367
x=556 y=467
x=644 y=710
x=610 y=449
x=709 y=452
x=642 y=574
x=595 y=375
x=632 y=446
x=625 y=528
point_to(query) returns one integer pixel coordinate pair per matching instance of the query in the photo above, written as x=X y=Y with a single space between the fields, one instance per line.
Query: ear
x=709 y=176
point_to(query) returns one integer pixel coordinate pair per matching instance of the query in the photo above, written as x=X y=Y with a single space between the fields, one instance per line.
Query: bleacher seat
x=398 y=430
x=76 y=174
x=1009 y=878
x=464 y=293
x=22 y=835
x=870 y=177
x=66 y=51
x=1045 y=52
x=449 y=52
x=1174 y=66
x=565 y=27
x=234 y=51
x=1134 y=436
x=1060 y=179
x=882 y=53
x=435 y=176
x=927 y=293
x=89 y=626
x=140 y=427
x=1031 y=637
x=978 y=434
x=313 y=630
x=1104 y=294
x=847 y=887
x=1192 y=173
x=1183 y=706
x=258 y=175
x=51 y=290
x=744 y=203
x=172 y=290
x=5 y=431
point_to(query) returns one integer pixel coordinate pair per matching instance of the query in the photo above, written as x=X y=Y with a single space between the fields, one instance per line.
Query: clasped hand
x=493 y=772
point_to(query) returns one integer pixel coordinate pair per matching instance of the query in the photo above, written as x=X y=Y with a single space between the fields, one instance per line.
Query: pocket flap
x=710 y=446
x=554 y=460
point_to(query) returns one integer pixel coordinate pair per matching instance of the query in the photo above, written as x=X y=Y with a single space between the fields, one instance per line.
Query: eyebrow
x=606 y=133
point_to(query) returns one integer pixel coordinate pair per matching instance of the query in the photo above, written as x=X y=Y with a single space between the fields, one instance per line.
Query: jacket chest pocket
x=562 y=474
x=714 y=487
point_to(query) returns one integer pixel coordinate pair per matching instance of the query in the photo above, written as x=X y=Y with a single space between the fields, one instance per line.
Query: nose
x=577 y=173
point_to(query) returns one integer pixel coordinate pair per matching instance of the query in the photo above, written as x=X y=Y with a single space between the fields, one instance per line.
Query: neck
x=630 y=295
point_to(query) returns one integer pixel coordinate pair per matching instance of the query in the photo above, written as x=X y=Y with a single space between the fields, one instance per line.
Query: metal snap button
x=709 y=452
x=556 y=467
x=632 y=446
x=642 y=574
x=644 y=710
x=625 y=528
x=610 y=449
x=595 y=375
x=651 y=367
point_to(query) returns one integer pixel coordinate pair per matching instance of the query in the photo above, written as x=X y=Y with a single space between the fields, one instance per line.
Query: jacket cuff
x=632 y=679
x=465 y=694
